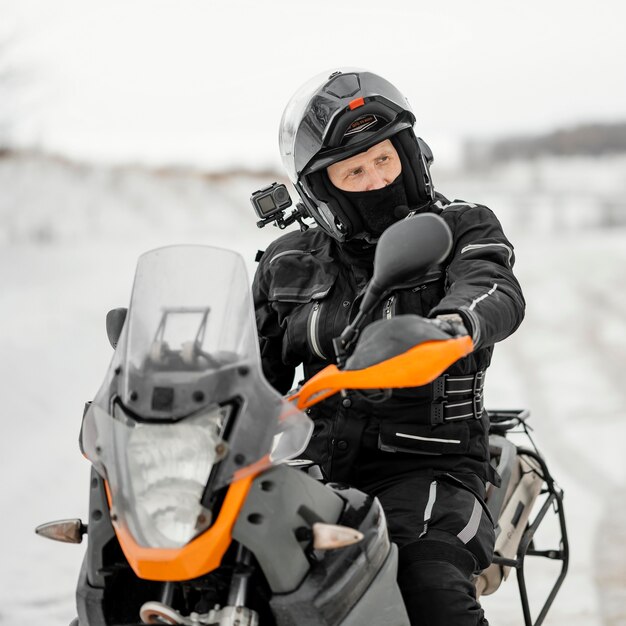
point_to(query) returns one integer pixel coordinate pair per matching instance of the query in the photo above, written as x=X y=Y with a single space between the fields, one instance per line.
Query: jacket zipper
x=313 y=331
x=389 y=307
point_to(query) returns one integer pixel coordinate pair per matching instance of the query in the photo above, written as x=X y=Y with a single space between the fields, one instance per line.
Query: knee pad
x=433 y=578
x=438 y=551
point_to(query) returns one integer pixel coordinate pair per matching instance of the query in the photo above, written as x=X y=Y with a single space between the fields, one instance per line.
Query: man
x=348 y=144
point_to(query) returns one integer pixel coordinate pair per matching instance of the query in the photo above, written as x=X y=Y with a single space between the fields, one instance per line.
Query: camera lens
x=281 y=195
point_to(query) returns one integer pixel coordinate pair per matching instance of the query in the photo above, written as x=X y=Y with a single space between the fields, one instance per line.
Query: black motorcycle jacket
x=306 y=289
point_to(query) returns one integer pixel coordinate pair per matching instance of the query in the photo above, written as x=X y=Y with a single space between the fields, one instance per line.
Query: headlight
x=167 y=469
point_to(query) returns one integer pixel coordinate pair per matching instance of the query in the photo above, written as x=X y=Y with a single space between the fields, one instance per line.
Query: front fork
x=238 y=593
x=235 y=613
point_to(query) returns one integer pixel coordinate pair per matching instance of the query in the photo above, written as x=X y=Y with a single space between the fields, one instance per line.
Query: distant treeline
x=584 y=140
x=190 y=170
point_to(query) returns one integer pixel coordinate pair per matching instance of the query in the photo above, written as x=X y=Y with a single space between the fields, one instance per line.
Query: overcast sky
x=206 y=82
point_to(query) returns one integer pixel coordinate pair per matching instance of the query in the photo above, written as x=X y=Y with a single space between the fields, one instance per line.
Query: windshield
x=189 y=324
x=185 y=409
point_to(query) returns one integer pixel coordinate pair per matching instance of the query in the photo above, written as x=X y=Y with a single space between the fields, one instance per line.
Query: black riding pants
x=444 y=535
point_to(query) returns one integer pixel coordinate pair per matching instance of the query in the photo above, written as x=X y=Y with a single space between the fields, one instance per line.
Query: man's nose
x=376 y=180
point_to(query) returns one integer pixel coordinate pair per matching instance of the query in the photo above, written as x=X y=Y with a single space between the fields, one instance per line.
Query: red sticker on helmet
x=359 y=102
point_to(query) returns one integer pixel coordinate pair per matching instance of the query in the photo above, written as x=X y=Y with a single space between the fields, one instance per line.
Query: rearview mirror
x=403 y=254
x=115 y=322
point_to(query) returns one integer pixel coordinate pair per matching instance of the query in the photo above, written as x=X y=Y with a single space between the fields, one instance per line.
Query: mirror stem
x=345 y=341
x=373 y=295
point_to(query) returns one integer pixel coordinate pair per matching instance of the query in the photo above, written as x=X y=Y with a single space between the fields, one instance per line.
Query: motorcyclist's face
x=372 y=169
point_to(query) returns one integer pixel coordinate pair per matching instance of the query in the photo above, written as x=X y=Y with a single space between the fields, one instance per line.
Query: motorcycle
x=201 y=513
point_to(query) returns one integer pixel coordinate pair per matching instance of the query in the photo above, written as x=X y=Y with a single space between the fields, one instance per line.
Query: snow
x=69 y=238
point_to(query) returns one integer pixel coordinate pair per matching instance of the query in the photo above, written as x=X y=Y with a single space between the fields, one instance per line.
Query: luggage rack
x=503 y=422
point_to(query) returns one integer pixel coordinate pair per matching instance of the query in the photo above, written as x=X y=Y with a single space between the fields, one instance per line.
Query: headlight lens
x=168 y=466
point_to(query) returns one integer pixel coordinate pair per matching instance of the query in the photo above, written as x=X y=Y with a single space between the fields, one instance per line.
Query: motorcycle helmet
x=335 y=116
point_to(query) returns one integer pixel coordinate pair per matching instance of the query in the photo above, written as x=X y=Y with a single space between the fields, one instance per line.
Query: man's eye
x=355 y=172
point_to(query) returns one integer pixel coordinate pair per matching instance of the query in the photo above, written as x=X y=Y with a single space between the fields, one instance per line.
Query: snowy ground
x=564 y=364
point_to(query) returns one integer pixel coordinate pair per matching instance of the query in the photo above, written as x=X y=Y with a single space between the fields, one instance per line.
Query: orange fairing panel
x=198 y=557
x=418 y=366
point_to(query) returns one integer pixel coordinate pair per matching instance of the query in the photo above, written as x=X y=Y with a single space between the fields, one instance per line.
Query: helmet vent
x=343 y=86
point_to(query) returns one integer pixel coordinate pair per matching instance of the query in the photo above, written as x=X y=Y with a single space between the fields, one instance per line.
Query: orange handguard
x=417 y=366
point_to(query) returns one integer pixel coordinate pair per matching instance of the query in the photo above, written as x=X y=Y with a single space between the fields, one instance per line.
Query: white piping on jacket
x=475 y=246
x=432 y=496
x=461 y=203
x=428 y=438
x=470 y=530
x=313 y=330
x=285 y=253
x=486 y=295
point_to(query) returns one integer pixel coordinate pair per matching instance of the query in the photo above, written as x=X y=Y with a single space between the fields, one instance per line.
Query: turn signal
x=66 y=530
x=330 y=536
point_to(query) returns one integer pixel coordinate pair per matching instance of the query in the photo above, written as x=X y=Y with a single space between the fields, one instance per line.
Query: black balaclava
x=413 y=194
x=380 y=208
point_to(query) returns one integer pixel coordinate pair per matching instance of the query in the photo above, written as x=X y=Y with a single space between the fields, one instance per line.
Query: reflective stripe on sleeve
x=475 y=246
